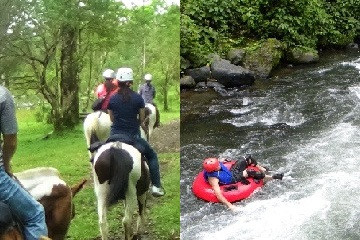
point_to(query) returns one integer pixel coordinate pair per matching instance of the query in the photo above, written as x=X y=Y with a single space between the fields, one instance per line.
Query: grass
x=67 y=152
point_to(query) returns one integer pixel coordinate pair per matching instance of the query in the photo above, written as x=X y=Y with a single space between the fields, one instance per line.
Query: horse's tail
x=121 y=164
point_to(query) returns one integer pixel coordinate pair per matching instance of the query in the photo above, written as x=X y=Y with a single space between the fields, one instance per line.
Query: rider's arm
x=111 y=114
x=214 y=182
x=261 y=168
x=9 y=148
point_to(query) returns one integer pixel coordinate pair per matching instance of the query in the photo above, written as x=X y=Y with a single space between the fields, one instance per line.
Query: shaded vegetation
x=215 y=26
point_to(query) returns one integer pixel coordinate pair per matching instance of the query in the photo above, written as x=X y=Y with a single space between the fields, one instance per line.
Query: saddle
x=117 y=138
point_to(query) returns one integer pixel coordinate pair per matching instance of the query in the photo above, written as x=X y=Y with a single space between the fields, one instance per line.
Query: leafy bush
x=206 y=24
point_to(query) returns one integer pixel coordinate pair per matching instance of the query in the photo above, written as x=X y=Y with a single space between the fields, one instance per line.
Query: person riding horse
x=20 y=202
x=105 y=90
x=148 y=93
x=124 y=109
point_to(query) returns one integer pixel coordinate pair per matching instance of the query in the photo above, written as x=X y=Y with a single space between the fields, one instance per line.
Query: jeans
x=23 y=206
x=152 y=161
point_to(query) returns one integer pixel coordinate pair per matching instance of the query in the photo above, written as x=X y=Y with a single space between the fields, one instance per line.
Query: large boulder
x=300 y=55
x=264 y=57
x=231 y=75
x=236 y=56
x=199 y=74
x=187 y=82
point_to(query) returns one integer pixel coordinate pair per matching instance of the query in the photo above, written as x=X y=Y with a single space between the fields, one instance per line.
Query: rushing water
x=306 y=124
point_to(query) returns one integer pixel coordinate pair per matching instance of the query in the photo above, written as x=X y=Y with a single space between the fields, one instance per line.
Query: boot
x=157 y=191
x=278 y=176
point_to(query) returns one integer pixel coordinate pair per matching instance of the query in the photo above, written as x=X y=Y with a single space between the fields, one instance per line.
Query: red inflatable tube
x=232 y=192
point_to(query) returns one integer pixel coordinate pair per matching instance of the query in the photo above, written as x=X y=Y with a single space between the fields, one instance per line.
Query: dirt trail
x=166 y=138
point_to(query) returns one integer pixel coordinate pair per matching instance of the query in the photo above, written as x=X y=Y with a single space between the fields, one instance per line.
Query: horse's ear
x=76 y=188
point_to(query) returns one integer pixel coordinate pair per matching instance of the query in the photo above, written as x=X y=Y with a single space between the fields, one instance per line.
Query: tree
x=45 y=37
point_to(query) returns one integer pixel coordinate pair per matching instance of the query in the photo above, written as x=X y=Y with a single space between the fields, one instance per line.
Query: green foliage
x=195 y=45
x=309 y=23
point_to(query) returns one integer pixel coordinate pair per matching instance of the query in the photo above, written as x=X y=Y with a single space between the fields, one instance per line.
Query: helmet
x=124 y=75
x=148 y=77
x=211 y=164
x=108 y=74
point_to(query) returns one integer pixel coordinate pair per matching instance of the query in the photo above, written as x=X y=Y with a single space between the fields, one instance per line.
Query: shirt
x=8 y=123
x=147 y=92
x=126 y=114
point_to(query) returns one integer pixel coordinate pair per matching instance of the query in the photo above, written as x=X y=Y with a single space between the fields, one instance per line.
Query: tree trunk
x=69 y=83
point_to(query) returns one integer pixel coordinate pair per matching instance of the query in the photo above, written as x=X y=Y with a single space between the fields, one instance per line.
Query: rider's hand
x=234 y=209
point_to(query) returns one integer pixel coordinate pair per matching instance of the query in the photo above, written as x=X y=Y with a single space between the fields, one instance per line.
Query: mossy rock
x=300 y=55
x=262 y=57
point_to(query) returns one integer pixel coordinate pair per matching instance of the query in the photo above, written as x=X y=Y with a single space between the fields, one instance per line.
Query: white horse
x=100 y=123
x=120 y=173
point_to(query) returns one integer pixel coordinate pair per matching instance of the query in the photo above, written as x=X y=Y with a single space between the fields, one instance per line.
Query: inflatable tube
x=232 y=192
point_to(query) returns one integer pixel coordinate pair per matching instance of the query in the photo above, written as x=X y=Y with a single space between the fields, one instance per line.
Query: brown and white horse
x=46 y=186
x=120 y=174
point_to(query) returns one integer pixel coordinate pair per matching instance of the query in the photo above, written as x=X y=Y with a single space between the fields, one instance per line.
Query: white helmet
x=108 y=73
x=148 y=77
x=124 y=75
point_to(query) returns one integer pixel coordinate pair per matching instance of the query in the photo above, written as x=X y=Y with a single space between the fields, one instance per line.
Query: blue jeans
x=152 y=161
x=23 y=206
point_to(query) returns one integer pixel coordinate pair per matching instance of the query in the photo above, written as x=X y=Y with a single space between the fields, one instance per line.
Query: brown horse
x=46 y=186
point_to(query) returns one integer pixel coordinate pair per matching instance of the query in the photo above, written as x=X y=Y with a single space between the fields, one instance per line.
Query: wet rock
x=236 y=56
x=301 y=55
x=262 y=59
x=187 y=82
x=231 y=75
x=209 y=84
x=352 y=46
x=199 y=74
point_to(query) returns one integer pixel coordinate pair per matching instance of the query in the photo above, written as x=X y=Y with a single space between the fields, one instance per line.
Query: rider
x=148 y=92
x=124 y=109
x=216 y=173
x=105 y=90
x=21 y=203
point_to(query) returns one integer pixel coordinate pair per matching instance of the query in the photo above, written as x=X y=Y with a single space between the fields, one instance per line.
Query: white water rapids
x=306 y=125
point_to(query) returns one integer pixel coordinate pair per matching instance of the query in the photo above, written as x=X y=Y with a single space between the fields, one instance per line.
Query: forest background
x=52 y=53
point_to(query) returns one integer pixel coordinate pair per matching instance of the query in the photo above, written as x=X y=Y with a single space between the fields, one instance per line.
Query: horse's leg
x=101 y=191
x=130 y=206
x=141 y=218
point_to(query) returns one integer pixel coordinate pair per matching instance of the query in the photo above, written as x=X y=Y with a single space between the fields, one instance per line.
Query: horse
x=99 y=123
x=46 y=186
x=120 y=174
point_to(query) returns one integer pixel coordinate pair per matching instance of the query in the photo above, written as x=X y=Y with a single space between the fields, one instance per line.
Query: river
x=304 y=122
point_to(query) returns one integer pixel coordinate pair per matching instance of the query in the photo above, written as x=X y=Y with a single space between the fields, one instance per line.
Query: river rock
x=352 y=46
x=209 y=84
x=231 y=75
x=187 y=82
x=236 y=56
x=199 y=74
x=299 y=55
x=263 y=58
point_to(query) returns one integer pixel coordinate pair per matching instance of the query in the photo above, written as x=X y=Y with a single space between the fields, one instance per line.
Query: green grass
x=67 y=152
